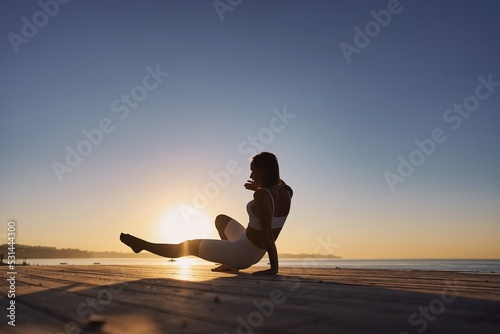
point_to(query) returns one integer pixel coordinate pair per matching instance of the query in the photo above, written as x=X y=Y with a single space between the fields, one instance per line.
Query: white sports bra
x=276 y=222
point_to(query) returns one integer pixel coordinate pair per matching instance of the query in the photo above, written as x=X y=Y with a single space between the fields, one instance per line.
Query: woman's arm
x=287 y=187
x=264 y=212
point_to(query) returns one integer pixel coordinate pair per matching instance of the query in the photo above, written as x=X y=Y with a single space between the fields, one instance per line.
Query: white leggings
x=236 y=252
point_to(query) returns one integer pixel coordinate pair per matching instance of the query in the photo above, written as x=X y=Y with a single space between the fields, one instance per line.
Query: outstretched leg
x=189 y=247
x=239 y=253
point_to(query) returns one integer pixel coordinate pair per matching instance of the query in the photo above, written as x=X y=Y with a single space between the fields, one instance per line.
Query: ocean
x=491 y=266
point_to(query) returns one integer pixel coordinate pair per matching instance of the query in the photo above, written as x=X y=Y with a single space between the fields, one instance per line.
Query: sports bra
x=276 y=222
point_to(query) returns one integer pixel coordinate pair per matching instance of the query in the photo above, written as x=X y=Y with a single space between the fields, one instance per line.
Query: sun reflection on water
x=185 y=268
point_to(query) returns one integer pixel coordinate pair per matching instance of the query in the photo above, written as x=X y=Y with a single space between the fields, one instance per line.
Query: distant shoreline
x=479 y=266
x=43 y=252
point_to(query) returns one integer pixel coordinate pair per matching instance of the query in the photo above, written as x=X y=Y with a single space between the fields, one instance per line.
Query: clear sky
x=142 y=116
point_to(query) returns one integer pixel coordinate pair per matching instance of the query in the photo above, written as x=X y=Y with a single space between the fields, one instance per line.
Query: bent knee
x=221 y=222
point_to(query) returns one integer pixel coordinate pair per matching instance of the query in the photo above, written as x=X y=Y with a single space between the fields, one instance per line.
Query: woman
x=239 y=248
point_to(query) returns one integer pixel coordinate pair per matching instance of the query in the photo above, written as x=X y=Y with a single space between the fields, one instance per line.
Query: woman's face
x=257 y=175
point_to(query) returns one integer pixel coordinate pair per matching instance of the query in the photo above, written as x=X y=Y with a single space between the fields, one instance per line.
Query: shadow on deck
x=127 y=299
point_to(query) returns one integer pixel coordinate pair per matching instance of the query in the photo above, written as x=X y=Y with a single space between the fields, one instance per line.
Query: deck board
x=173 y=299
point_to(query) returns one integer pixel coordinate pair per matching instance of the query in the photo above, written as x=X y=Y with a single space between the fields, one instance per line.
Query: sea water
x=399 y=264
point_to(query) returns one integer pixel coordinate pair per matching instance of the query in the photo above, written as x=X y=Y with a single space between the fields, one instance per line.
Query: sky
x=142 y=117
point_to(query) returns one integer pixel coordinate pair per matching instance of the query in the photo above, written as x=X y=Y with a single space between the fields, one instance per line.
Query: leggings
x=236 y=252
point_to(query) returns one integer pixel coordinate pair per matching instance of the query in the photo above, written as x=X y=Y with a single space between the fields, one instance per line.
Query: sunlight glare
x=172 y=227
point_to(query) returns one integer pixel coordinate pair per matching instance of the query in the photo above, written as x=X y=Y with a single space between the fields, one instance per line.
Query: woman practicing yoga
x=239 y=248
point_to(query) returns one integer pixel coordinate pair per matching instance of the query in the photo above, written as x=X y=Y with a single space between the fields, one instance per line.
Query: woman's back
x=280 y=200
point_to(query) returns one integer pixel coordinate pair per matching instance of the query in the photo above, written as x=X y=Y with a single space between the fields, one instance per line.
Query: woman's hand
x=271 y=271
x=250 y=185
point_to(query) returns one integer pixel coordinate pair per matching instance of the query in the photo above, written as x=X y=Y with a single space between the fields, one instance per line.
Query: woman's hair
x=269 y=163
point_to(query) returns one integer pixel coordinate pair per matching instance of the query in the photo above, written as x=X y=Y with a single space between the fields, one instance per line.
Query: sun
x=173 y=227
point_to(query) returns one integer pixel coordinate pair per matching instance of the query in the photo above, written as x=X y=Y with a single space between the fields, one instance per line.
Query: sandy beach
x=176 y=299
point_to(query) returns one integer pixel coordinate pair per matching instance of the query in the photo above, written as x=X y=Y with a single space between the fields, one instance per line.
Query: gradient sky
x=348 y=123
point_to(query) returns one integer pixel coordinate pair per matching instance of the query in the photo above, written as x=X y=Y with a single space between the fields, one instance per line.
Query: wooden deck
x=172 y=299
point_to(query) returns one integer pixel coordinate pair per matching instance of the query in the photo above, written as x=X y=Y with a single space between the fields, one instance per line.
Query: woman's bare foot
x=224 y=268
x=135 y=243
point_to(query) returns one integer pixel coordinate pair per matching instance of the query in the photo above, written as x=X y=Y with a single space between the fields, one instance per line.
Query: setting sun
x=172 y=227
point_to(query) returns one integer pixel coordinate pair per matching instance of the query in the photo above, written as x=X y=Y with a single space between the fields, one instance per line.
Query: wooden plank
x=74 y=303
x=190 y=300
x=31 y=321
x=194 y=305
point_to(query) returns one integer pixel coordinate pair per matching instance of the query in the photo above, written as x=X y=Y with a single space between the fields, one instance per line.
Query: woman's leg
x=228 y=228
x=239 y=254
x=215 y=250
x=189 y=247
x=221 y=222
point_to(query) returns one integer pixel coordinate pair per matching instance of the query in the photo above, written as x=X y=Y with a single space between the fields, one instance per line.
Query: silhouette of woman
x=239 y=248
